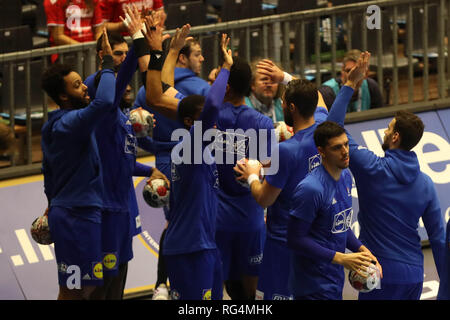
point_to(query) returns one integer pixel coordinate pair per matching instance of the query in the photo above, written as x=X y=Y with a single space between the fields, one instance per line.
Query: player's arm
x=165 y=103
x=263 y=192
x=84 y=120
x=435 y=227
x=214 y=99
x=306 y=202
x=355 y=77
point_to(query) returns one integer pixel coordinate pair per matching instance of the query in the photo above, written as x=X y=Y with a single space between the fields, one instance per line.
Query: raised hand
x=227 y=54
x=106 y=47
x=267 y=68
x=153 y=33
x=133 y=21
x=359 y=71
x=180 y=37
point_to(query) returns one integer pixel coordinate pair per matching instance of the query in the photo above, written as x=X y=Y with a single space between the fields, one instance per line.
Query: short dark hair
x=303 y=94
x=240 y=79
x=187 y=48
x=410 y=128
x=326 y=131
x=189 y=106
x=53 y=80
x=113 y=38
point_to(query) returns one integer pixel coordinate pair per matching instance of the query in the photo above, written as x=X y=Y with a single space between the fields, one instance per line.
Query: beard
x=385 y=145
x=78 y=103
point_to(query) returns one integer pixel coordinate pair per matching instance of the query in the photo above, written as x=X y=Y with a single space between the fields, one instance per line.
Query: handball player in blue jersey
x=319 y=226
x=240 y=219
x=193 y=261
x=393 y=195
x=298 y=156
x=117 y=147
x=72 y=171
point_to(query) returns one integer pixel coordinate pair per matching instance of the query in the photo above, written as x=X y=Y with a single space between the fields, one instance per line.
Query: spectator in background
x=73 y=21
x=112 y=10
x=188 y=68
x=367 y=94
x=265 y=95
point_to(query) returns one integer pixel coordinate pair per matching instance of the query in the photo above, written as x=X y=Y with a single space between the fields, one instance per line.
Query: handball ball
x=40 y=230
x=156 y=193
x=365 y=284
x=142 y=122
x=283 y=131
x=244 y=183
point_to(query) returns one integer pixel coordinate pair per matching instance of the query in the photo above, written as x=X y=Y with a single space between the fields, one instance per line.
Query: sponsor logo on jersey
x=97 y=270
x=256 y=259
x=206 y=295
x=342 y=221
x=110 y=261
x=314 y=162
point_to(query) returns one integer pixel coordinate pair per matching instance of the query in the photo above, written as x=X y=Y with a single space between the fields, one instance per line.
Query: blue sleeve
x=125 y=74
x=339 y=107
x=306 y=200
x=298 y=239
x=147 y=143
x=142 y=170
x=320 y=115
x=434 y=225
x=83 y=121
x=362 y=160
x=353 y=244
x=214 y=100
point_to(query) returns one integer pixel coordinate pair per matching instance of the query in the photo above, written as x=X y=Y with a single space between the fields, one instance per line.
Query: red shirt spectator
x=113 y=9
x=73 y=21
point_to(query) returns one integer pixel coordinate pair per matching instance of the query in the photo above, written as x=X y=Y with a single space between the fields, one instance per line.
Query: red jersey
x=78 y=20
x=113 y=9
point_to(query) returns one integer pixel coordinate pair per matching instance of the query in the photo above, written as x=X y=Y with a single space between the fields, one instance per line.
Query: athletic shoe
x=161 y=293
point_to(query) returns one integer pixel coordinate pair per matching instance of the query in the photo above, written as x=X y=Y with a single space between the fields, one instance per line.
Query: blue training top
x=71 y=164
x=193 y=196
x=393 y=195
x=325 y=204
x=298 y=156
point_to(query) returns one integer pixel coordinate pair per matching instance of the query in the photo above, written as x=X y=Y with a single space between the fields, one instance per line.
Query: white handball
x=40 y=231
x=251 y=162
x=365 y=284
x=283 y=131
x=142 y=122
x=156 y=193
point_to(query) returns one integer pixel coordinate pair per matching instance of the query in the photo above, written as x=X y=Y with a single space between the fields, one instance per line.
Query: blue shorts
x=390 y=291
x=274 y=273
x=196 y=275
x=241 y=252
x=117 y=241
x=78 y=245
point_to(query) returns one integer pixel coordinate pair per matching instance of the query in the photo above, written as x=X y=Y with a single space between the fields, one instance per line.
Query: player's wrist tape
x=137 y=35
x=141 y=47
x=156 y=60
x=107 y=62
x=251 y=178
x=287 y=78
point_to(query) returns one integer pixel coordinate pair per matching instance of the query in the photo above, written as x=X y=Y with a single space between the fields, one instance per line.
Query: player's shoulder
x=311 y=185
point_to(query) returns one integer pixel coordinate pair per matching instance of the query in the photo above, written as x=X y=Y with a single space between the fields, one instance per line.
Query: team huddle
x=232 y=221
